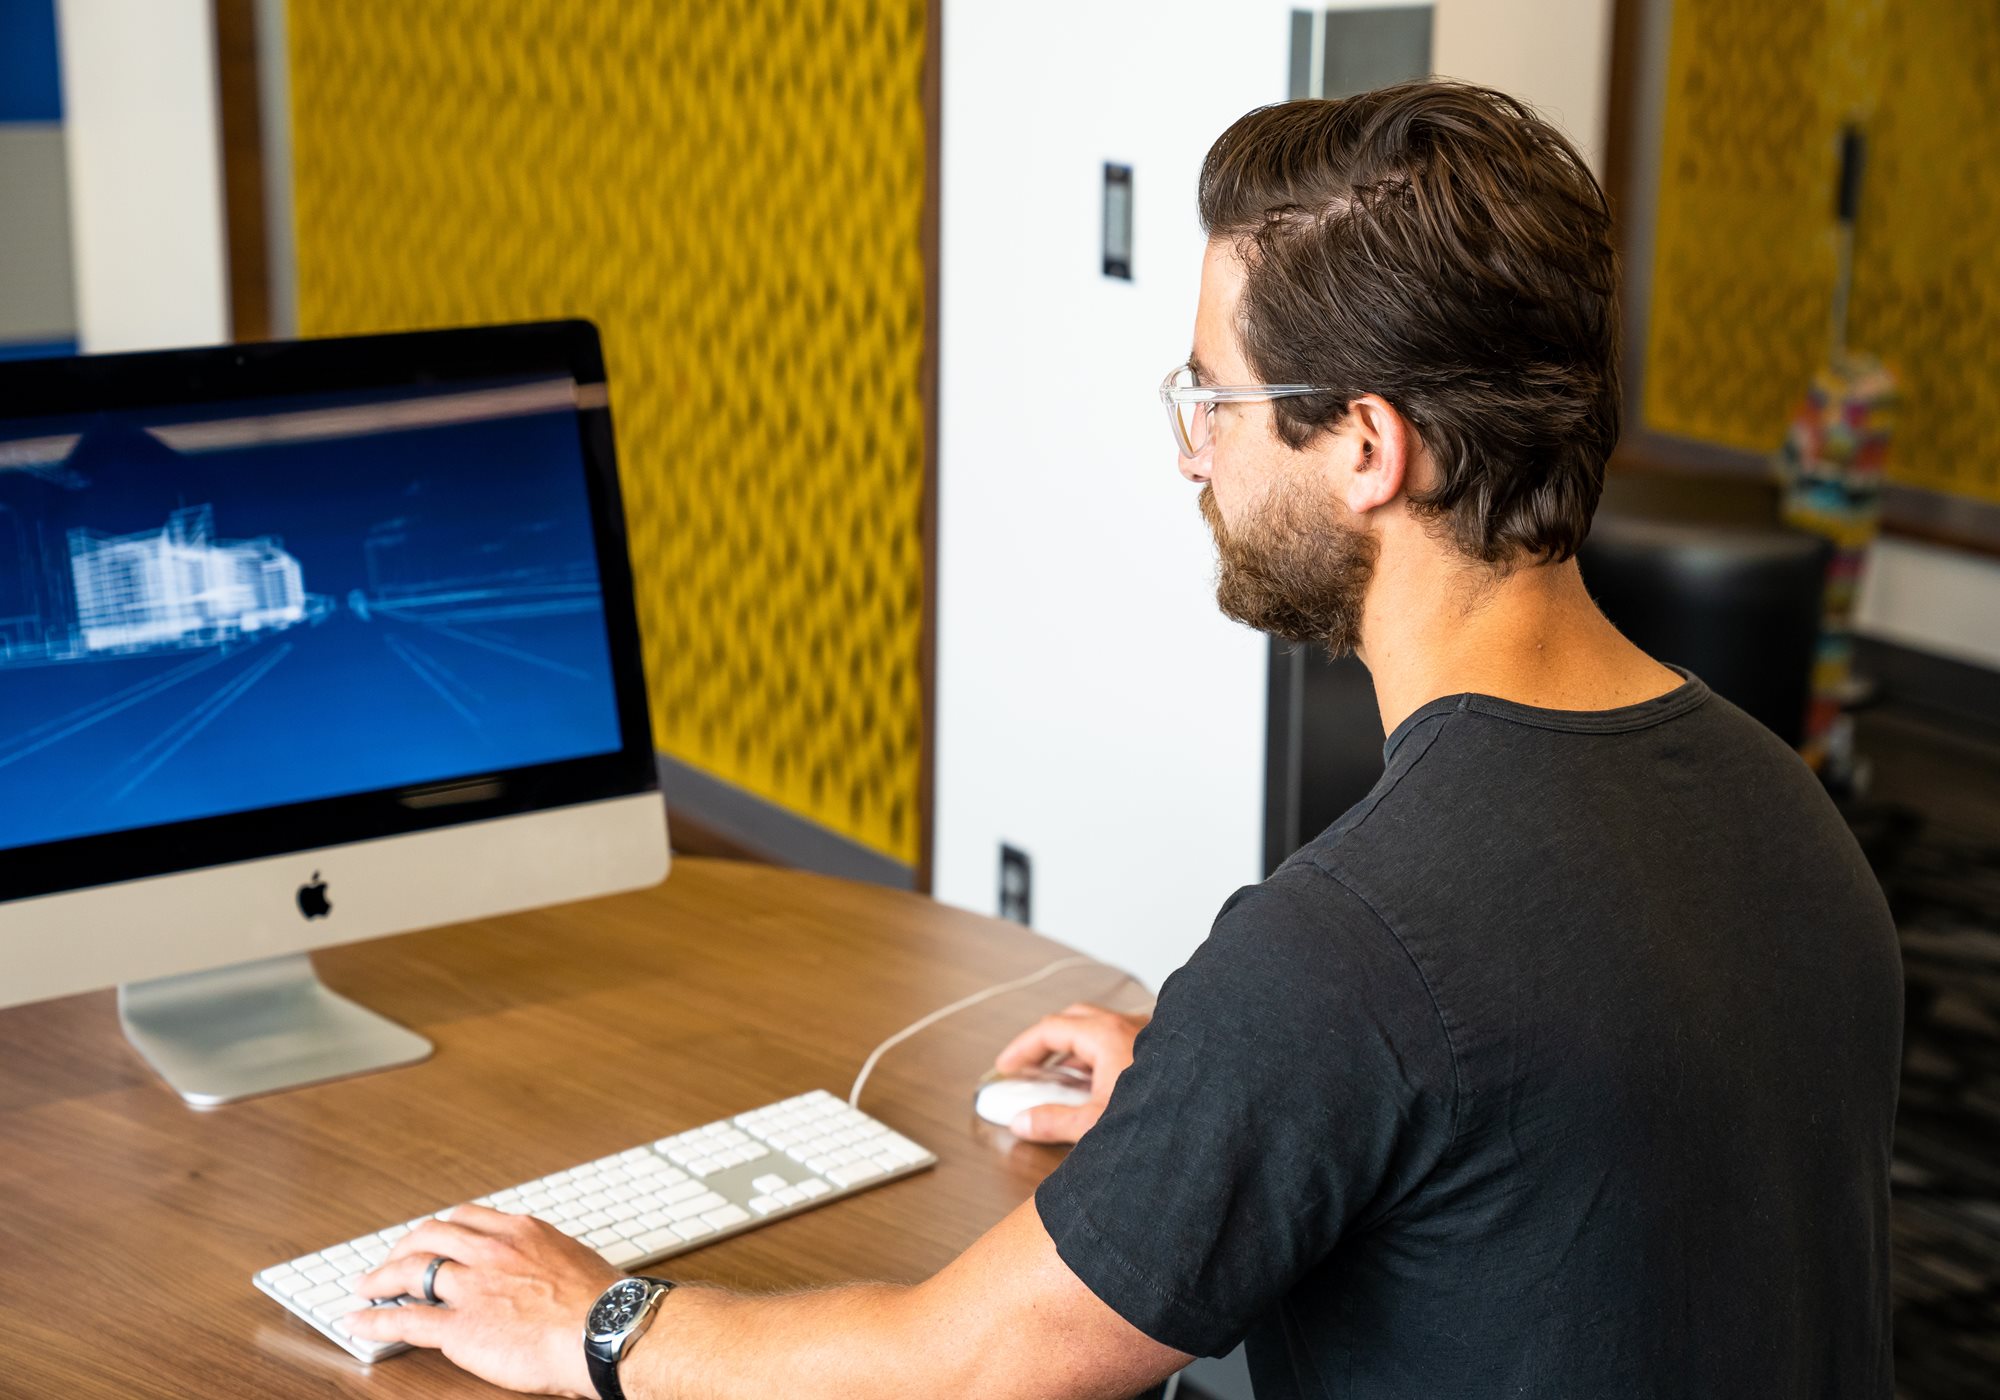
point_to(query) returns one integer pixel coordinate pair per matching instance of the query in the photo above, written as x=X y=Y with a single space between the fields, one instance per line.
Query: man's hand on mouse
x=1098 y=1040
x=515 y=1294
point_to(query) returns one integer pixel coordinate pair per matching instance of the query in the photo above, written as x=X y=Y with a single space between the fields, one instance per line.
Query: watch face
x=617 y=1309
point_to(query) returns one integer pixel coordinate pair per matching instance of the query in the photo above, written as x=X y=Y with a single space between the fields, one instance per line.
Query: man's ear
x=1381 y=453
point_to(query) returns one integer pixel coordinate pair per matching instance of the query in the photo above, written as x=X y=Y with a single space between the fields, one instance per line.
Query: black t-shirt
x=1562 y=1065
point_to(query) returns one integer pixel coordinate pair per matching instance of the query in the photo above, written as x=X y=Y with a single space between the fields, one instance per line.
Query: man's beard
x=1295 y=569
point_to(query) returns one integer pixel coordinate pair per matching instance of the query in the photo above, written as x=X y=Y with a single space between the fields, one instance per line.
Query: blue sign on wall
x=30 y=75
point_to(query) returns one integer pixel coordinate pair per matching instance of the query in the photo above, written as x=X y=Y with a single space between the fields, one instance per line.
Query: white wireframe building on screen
x=181 y=587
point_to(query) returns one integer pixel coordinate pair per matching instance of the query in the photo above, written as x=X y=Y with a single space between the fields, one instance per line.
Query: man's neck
x=1436 y=628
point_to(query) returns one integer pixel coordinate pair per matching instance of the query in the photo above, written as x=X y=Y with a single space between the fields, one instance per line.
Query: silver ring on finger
x=430 y=1281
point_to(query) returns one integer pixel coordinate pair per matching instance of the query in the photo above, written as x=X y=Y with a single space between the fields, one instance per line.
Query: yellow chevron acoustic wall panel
x=734 y=193
x=1758 y=91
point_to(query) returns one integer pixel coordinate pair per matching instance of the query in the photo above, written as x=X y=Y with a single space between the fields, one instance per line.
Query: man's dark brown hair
x=1437 y=244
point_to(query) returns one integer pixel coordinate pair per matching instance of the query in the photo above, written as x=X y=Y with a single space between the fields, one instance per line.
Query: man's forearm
x=1006 y=1320
x=873 y=1340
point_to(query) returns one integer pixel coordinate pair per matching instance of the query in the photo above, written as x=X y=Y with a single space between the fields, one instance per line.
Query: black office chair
x=1738 y=605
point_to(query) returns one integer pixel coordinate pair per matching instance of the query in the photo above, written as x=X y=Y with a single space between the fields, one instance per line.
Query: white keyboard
x=641 y=1205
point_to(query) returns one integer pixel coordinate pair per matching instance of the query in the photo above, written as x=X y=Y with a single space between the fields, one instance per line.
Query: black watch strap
x=602 y=1361
x=604 y=1375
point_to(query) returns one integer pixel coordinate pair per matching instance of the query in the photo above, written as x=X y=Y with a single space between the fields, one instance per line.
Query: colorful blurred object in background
x=1832 y=467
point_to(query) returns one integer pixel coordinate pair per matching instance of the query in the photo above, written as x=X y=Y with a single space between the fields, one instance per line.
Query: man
x=1564 y=1064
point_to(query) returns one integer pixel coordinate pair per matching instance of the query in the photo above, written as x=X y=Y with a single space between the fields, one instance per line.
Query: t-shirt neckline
x=1689 y=694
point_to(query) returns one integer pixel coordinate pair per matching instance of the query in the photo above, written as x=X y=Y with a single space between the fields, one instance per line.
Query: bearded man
x=1563 y=1065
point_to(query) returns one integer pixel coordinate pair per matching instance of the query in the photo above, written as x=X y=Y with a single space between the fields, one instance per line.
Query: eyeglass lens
x=1191 y=420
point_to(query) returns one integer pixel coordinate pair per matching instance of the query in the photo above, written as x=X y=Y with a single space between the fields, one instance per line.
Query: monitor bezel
x=396 y=362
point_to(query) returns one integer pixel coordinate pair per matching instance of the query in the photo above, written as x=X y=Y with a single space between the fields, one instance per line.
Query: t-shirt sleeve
x=1294 y=1084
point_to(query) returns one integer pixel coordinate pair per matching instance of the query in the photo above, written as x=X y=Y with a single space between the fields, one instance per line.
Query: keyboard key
x=692 y=1229
x=620 y=1254
x=654 y=1240
x=687 y=1210
x=813 y=1186
x=320 y=1293
x=854 y=1173
x=340 y=1307
x=724 y=1216
x=764 y=1205
x=769 y=1182
x=597 y=1239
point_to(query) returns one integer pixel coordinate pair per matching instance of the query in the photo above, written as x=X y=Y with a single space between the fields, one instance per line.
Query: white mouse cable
x=1060 y=964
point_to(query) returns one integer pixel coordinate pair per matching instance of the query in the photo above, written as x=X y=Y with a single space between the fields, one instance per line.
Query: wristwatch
x=619 y=1318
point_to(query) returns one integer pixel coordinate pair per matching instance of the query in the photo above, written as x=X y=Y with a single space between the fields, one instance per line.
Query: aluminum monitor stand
x=255 y=1028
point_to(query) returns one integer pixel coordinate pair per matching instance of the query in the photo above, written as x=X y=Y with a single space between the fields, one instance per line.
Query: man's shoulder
x=1426 y=773
x=1305 y=938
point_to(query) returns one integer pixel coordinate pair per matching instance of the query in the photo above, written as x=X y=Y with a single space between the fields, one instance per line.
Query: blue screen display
x=255 y=604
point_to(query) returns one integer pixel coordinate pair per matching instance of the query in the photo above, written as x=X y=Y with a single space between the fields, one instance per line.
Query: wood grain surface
x=130 y=1225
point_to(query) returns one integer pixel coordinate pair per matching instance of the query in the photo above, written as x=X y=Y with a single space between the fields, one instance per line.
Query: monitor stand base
x=255 y=1028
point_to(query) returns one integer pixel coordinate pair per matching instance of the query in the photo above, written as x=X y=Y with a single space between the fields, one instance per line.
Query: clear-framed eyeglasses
x=1191 y=406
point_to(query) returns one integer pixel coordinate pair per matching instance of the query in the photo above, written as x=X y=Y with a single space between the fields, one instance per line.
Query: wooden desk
x=131 y=1224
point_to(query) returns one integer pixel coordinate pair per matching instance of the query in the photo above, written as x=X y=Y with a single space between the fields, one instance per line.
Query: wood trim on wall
x=244 y=221
x=927 y=646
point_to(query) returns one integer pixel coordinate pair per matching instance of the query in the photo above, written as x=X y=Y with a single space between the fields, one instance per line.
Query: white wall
x=1093 y=707
x=1933 y=599
x=141 y=127
x=1555 y=54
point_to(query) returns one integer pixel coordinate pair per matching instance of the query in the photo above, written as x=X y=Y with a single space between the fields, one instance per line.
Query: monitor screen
x=230 y=606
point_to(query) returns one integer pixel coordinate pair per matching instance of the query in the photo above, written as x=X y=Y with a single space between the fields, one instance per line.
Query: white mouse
x=1001 y=1101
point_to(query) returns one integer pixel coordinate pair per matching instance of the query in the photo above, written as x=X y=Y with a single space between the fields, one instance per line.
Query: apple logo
x=313 y=902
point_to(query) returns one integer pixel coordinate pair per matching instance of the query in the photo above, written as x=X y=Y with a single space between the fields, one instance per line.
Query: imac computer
x=304 y=643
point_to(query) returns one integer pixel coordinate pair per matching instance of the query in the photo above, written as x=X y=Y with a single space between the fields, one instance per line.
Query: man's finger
x=1066 y=1034
x=413 y=1323
x=1055 y=1122
x=484 y=1219
x=452 y=1240
x=394 y=1278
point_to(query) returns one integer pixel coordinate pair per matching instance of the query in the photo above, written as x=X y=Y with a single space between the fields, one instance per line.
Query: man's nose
x=1195 y=469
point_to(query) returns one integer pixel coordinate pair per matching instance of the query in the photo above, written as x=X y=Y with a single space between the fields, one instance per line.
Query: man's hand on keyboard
x=1090 y=1036
x=515 y=1293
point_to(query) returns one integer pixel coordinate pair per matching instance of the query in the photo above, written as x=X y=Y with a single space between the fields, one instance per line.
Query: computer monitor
x=304 y=643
